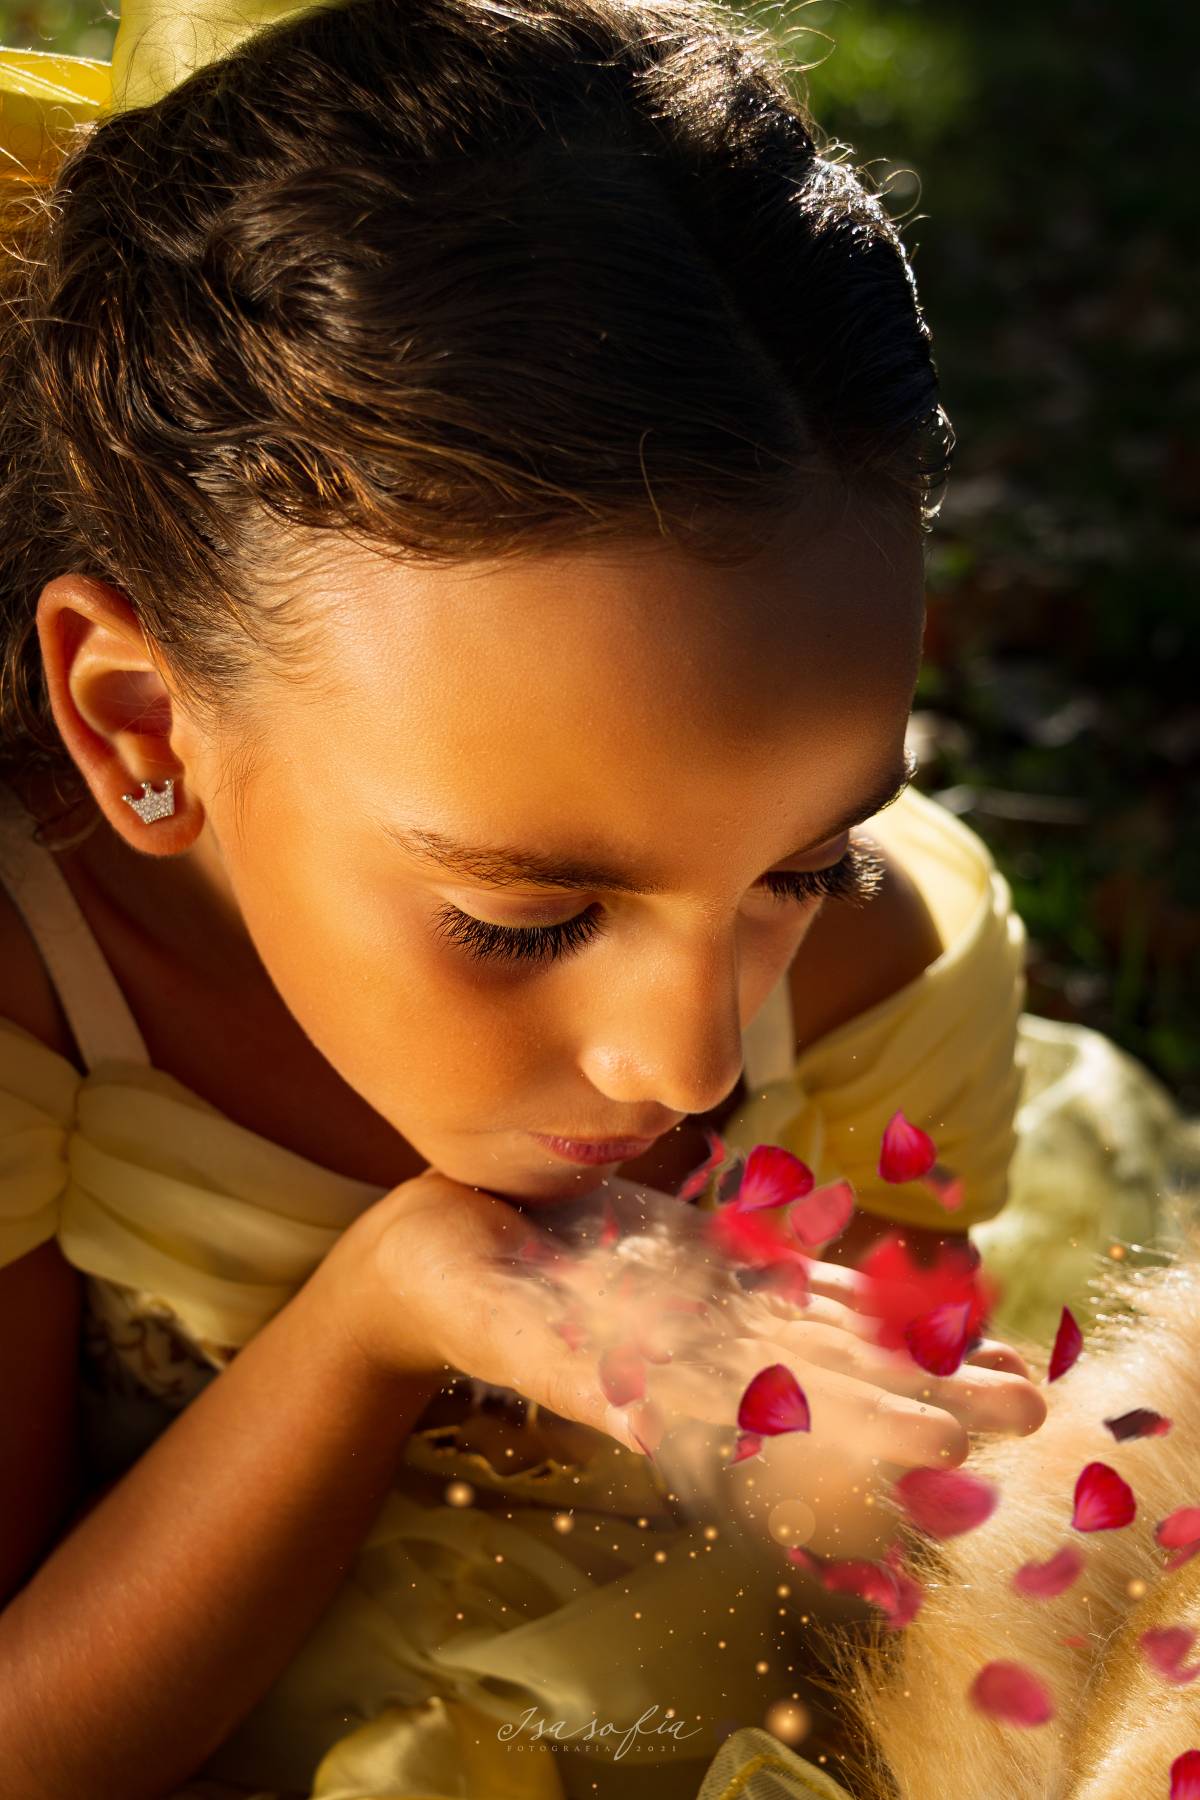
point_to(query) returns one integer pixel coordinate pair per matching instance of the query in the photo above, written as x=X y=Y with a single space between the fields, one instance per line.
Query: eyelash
x=855 y=877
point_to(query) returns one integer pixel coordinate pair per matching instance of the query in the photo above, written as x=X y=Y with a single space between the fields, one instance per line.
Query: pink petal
x=789 y=1281
x=1165 y=1648
x=1103 y=1502
x=611 y=1231
x=938 y=1340
x=947 y=1188
x=884 y=1584
x=907 y=1152
x=1043 y=1580
x=650 y=1429
x=909 y=1596
x=1008 y=1691
x=622 y=1375
x=755 y=1236
x=1179 y=1531
x=772 y=1177
x=539 y=1254
x=697 y=1181
x=1139 y=1423
x=1068 y=1342
x=1185 y=1776
x=1180 y=1527
x=571 y=1331
x=773 y=1402
x=749 y=1443
x=946 y=1502
x=869 y=1580
x=823 y=1214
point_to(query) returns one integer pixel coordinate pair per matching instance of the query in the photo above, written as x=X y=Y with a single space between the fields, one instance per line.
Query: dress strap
x=769 y=1041
x=97 y=1010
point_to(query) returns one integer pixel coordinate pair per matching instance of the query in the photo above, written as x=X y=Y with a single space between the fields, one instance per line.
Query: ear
x=114 y=709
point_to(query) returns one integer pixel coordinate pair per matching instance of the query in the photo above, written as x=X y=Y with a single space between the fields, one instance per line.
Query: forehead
x=583 y=683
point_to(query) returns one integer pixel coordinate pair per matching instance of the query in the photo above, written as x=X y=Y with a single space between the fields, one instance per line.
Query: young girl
x=465 y=475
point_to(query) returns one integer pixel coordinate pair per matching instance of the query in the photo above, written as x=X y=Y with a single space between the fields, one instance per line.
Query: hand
x=875 y=1413
x=451 y=1288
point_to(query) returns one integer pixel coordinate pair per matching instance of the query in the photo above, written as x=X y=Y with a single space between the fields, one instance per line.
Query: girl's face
x=507 y=870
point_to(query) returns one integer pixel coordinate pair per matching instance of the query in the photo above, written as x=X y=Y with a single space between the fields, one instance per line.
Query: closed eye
x=855 y=877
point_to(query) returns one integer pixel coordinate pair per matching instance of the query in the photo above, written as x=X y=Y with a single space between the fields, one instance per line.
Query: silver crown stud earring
x=150 y=806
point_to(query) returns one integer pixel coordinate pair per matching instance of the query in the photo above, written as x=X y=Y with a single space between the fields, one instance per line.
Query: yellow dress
x=191 y=1232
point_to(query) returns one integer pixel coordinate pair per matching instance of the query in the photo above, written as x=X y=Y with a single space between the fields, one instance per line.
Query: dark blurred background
x=1036 y=159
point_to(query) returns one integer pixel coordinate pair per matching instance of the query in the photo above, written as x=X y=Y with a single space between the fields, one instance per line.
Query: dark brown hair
x=457 y=279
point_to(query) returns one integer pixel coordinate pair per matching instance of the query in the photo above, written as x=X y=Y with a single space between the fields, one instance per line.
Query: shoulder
x=854 y=957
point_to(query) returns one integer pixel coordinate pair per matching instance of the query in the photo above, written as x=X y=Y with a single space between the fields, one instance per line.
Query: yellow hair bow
x=157 y=46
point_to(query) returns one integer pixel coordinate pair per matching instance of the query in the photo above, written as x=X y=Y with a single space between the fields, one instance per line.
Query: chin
x=549 y=1187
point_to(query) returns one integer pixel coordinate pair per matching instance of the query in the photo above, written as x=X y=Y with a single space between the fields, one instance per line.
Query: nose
x=671 y=1037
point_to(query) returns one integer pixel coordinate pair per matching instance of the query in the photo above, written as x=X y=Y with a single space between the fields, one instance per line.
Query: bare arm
x=209 y=1561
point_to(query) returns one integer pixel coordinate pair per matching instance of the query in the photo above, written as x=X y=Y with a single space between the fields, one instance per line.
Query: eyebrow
x=505 y=865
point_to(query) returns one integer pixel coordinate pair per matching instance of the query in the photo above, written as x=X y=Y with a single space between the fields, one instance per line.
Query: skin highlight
x=699 y=724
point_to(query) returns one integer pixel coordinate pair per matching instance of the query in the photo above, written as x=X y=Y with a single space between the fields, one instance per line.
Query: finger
x=836 y=1282
x=992 y=1354
x=843 y=1408
x=986 y=1400
x=772 y=1308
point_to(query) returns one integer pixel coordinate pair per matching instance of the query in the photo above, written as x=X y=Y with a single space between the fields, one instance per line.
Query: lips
x=595 y=1150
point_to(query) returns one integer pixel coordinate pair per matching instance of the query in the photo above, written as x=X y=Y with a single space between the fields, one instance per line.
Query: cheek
x=405 y=1022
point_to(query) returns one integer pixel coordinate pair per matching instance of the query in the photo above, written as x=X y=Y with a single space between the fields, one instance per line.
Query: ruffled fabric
x=564 y=1590
x=942 y=1049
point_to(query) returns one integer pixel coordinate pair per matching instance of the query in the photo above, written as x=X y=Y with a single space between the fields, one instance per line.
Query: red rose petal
x=939 y=1340
x=823 y=1214
x=869 y=1580
x=757 y=1236
x=698 y=1180
x=773 y=1402
x=1103 y=1502
x=772 y=1177
x=622 y=1374
x=1068 y=1342
x=907 y=1152
x=897 y=1289
x=1043 y=1580
x=1179 y=1531
x=789 y=1281
x=1185 y=1776
x=1139 y=1423
x=1180 y=1527
x=1008 y=1691
x=1165 y=1647
x=909 y=1596
x=946 y=1187
x=883 y=1584
x=749 y=1443
x=571 y=1331
x=946 y=1502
